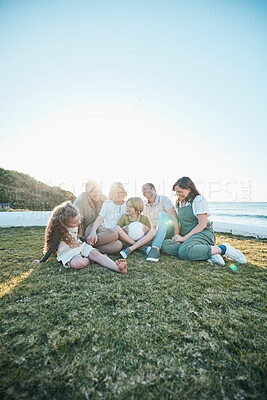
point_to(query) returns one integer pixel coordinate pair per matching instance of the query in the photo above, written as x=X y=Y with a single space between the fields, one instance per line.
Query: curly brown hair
x=58 y=224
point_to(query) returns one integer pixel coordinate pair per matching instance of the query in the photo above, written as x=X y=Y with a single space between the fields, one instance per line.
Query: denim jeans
x=165 y=229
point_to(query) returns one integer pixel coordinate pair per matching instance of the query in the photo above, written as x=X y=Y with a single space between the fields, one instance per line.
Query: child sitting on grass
x=62 y=236
x=134 y=208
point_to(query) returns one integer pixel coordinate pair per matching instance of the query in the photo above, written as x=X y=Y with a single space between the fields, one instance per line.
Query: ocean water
x=243 y=213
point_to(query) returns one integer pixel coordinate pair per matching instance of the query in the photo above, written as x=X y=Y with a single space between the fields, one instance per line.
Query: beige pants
x=107 y=242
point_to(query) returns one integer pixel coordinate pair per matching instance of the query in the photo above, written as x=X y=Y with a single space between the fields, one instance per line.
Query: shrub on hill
x=25 y=192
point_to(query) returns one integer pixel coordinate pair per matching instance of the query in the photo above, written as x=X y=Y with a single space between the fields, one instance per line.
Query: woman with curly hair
x=62 y=236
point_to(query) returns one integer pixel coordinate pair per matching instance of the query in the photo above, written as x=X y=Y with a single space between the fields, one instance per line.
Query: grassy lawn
x=167 y=330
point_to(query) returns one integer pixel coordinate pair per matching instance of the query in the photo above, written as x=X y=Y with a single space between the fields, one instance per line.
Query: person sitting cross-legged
x=134 y=208
x=196 y=241
x=89 y=204
x=163 y=217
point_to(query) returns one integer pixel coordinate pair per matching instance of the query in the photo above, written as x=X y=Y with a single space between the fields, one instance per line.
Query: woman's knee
x=170 y=247
x=113 y=233
x=184 y=252
x=116 y=246
x=111 y=248
x=107 y=235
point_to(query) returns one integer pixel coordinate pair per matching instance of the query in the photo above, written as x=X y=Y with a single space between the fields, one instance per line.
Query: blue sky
x=136 y=91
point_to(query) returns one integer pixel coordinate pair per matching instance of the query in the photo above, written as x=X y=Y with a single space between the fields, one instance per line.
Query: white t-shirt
x=65 y=253
x=200 y=206
x=111 y=213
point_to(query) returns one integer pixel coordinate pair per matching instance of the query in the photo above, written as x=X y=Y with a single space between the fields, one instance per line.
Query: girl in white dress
x=62 y=236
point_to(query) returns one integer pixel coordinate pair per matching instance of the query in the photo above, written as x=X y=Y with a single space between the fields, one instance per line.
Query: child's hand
x=92 y=239
x=126 y=229
x=146 y=229
x=35 y=261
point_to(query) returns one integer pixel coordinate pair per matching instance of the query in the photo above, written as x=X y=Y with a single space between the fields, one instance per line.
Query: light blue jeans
x=165 y=229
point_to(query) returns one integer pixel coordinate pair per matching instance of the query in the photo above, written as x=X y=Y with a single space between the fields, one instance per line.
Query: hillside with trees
x=25 y=192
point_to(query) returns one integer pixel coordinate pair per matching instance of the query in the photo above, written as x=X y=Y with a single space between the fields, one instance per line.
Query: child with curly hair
x=62 y=236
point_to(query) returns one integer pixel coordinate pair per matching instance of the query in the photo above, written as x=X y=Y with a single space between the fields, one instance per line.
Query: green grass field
x=167 y=330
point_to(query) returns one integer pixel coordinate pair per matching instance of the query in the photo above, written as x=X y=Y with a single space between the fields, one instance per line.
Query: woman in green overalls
x=196 y=240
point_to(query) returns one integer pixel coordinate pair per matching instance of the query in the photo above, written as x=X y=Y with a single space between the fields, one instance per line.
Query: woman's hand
x=92 y=238
x=126 y=229
x=146 y=229
x=178 y=238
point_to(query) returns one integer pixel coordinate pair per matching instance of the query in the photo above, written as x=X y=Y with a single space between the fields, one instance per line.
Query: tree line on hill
x=24 y=192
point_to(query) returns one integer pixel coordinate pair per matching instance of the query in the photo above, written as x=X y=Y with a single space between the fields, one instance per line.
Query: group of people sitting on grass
x=95 y=226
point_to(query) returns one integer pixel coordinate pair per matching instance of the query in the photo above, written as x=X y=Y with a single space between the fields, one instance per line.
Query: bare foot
x=122 y=265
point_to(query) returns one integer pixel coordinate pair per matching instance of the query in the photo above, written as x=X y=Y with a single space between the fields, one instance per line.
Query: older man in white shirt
x=163 y=217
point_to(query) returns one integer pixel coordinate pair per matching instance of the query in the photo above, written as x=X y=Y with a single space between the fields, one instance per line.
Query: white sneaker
x=216 y=259
x=234 y=254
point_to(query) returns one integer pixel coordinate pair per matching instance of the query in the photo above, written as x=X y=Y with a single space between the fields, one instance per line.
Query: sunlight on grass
x=8 y=286
x=175 y=330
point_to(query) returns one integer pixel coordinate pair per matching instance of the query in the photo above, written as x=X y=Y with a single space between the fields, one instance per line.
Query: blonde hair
x=58 y=223
x=114 y=189
x=91 y=185
x=137 y=203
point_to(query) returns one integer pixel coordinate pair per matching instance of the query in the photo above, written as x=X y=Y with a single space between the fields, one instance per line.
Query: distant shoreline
x=40 y=218
x=258 y=232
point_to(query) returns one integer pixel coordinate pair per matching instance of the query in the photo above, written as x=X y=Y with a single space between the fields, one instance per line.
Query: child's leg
x=123 y=236
x=101 y=259
x=144 y=240
x=170 y=247
x=78 y=262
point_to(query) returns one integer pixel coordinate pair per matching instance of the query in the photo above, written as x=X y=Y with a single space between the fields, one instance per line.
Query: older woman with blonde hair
x=89 y=204
x=110 y=213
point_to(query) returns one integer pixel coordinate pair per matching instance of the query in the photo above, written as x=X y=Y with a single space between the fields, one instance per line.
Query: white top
x=200 y=206
x=111 y=213
x=162 y=203
x=65 y=253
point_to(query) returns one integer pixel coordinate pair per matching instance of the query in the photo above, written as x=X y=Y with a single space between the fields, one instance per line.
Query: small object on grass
x=233 y=267
x=136 y=230
x=124 y=253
